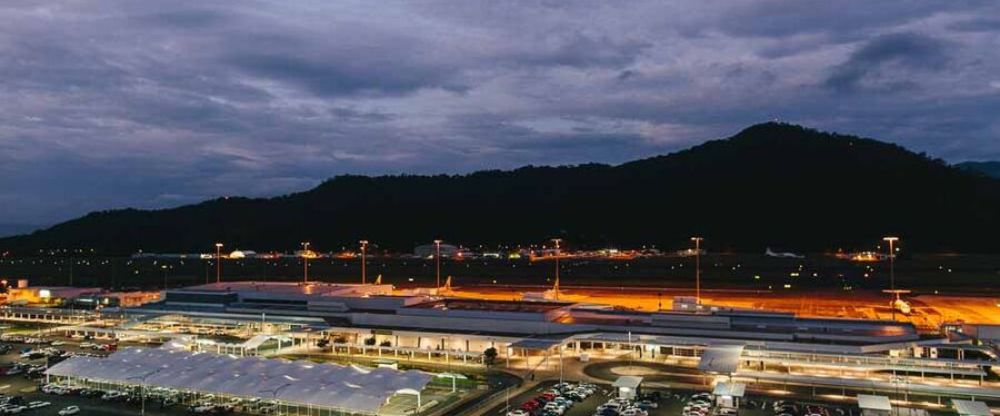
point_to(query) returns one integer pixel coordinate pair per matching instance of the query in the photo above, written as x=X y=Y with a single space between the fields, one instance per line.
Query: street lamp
x=218 y=262
x=142 y=387
x=275 y=391
x=437 y=260
x=305 y=261
x=556 y=287
x=892 y=272
x=697 y=270
x=364 y=246
x=164 y=267
x=892 y=261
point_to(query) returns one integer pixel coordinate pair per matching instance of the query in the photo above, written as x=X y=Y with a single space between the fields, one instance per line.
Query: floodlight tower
x=555 y=288
x=218 y=262
x=892 y=271
x=697 y=270
x=364 y=247
x=305 y=261
x=437 y=265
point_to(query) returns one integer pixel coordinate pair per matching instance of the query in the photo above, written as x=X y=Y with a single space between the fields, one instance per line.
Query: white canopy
x=347 y=388
x=869 y=402
x=729 y=389
x=720 y=359
x=971 y=408
x=630 y=382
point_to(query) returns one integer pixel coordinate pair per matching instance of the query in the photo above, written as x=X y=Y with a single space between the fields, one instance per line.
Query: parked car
x=647 y=404
x=69 y=410
x=10 y=409
x=38 y=404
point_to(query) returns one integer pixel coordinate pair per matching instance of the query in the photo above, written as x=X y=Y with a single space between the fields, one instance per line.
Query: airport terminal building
x=248 y=321
x=369 y=320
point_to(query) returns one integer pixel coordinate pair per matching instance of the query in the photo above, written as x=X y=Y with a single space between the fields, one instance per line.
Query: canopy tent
x=348 y=388
x=874 y=405
x=728 y=394
x=729 y=389
x=869 y=402
x=971 y=408
x=720 y=359
x=628 y=386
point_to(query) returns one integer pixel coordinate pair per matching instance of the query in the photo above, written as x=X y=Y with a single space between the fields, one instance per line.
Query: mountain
x=991 y=169
x=15 y=229
x=769 y=185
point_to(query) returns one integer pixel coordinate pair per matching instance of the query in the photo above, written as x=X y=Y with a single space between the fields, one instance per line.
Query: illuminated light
x=788 y=286
x=45 y=293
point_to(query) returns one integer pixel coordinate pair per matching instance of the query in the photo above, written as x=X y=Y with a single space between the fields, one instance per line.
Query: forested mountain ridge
x=771 y=184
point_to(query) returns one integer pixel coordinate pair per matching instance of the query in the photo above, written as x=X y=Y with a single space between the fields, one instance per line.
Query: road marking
x=5 y=387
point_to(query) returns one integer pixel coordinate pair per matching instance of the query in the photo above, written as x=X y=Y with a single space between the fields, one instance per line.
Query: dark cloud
x=869 y=65
x=580 y=50
x=151 y=104
x=977 y=25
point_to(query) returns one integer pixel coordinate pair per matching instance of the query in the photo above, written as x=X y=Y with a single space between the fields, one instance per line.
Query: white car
x=38 y=405
x=11 y=409
x=69 y=410
x=518 y=412
x=57 y=343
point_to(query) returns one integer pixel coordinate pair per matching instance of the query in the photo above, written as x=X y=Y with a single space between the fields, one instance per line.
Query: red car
x=532 y=405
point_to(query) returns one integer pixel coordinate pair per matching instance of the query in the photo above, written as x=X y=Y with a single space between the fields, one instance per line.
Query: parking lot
x=679 y=402
x=28 y=388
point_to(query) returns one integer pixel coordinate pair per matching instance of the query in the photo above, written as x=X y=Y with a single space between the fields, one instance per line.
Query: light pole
x=437 y=260
x=275 y=391
x=697 y=270
x=364 y=246
x=218 y=262
x=164 y=267
x=892 y=261
x=556 y=287
x=892 y=271
x=142 y=387
x=305 y=261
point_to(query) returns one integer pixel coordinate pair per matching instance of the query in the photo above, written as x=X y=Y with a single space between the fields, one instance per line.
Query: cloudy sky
x=115 y=103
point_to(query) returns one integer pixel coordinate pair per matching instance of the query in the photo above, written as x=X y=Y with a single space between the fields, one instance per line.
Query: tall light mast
x=305 y=261
x=364 y=247
x=697 y=269
x=555 y=288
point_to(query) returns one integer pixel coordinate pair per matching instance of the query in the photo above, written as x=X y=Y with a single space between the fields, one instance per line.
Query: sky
x=139 y=103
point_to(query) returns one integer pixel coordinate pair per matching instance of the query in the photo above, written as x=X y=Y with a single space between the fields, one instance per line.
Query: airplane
x=784 y=255
x=898 y=303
